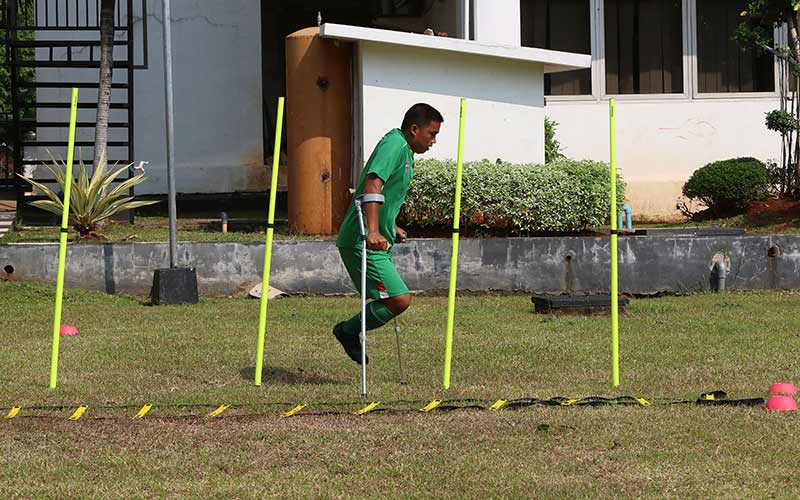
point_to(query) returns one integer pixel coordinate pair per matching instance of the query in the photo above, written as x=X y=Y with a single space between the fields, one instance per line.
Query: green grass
x=128 y=353
x=156 y=229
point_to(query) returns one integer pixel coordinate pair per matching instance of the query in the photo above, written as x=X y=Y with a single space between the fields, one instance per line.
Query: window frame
x=644 y=97
x=697 y=95
x=689 y=60
x=594 y=96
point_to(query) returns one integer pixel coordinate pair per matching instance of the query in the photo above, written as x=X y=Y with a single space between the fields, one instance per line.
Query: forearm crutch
x=360 y=201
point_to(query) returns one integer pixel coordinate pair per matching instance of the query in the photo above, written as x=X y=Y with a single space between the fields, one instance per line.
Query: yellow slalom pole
x=62 y=244
x=451 y=296
x=273 y=194
x=614 y=253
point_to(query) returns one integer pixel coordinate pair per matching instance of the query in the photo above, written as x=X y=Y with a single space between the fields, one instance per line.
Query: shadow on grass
x=286 y=377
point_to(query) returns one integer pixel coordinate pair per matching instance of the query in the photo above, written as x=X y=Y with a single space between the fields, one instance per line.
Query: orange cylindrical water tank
x=319 y=131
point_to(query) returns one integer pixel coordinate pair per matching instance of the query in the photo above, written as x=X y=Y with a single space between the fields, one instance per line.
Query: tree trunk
x=106 y=68
x=794 y=40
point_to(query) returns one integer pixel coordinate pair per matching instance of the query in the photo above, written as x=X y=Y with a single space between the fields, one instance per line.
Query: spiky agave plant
x=91 y=200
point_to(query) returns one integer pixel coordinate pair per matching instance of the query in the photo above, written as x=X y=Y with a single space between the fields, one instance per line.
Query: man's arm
x=375 y=240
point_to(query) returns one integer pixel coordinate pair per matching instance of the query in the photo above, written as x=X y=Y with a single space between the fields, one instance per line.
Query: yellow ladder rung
x=367 y=408
x=146 y=408
x=430 y=406
x=498 y=404
x=79 y=412
x=218 y=411
x=293 y=411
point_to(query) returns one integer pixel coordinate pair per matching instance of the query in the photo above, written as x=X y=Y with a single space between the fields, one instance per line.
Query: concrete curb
x=548 y=265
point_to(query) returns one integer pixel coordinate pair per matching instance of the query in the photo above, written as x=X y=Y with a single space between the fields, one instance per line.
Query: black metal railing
x=73 y=15
x=55 y=34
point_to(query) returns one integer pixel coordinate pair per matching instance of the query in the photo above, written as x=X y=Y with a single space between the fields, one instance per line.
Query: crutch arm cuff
x=371 y=198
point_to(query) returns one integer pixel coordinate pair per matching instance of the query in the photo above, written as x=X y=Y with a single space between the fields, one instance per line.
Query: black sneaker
x=351 y=343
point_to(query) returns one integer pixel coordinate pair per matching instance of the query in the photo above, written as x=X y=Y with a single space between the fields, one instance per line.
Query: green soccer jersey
x=393 y=162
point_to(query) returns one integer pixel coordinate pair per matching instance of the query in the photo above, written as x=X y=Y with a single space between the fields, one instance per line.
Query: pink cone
x=67 y=330
x=783 y=388
x=781 y=403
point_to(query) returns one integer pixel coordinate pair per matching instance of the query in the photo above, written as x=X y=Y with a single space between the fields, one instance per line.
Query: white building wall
x=218 y=98
x=505 y=108
x=660 y=143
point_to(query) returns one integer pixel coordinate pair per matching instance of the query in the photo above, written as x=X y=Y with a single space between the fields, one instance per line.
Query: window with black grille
x=644 y=47
x=723 y=66
x=559 y=25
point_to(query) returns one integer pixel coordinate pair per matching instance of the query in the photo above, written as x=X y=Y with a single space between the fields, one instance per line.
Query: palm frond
x=125 y=204
x=58 y=174
x=112 y=207
x=83 y=177
x=80 y=191
x=123 y=186
x=77 y=196
x=113 y=175
x=97 y=175
x=50 y=206
x=104 y=203
x=46 y=190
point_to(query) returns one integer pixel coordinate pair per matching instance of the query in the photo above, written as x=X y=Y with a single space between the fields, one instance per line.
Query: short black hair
x=420 y=115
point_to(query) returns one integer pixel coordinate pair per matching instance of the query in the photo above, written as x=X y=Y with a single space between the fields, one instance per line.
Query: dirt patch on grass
x=784 y=213
x=772 y=205
x=771 y=215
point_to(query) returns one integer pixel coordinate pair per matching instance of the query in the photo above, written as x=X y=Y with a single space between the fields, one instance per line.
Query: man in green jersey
x=388 y=172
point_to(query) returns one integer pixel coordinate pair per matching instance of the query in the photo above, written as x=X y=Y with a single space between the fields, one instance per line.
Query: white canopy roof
x=553 y=60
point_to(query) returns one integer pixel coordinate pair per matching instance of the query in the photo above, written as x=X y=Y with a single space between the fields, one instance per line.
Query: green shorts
x=383 y=281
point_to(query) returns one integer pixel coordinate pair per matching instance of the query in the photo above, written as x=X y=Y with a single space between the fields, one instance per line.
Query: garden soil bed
x=781 y=211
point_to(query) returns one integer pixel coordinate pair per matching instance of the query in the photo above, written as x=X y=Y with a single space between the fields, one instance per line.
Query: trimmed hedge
x=564 y=196
x=729 y=186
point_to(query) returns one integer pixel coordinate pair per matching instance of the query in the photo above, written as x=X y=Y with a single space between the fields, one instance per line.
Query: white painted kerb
x=553 y=60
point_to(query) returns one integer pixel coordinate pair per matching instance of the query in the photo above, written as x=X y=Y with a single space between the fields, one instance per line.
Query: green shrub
x=728 y=186
x=563 y=196
x=782 y=122
x=552 y=148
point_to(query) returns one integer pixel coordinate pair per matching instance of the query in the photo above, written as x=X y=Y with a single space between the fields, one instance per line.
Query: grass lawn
x=128 y=354
x=156 y=229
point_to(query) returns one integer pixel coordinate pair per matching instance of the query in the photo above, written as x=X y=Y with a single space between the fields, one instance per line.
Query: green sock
x=377 y=316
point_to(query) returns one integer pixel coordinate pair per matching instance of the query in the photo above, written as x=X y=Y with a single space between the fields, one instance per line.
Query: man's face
x=422 y=138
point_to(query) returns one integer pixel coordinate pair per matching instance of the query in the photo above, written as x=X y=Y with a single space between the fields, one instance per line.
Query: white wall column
x=497 y=21
x=464 y=16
